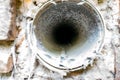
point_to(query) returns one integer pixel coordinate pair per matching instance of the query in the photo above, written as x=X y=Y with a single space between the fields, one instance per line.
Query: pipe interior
x=66 y=25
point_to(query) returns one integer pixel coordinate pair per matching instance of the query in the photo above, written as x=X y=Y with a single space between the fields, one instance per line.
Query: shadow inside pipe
x=65 y=33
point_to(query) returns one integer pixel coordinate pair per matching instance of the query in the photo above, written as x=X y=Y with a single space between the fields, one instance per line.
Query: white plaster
x=5 y=16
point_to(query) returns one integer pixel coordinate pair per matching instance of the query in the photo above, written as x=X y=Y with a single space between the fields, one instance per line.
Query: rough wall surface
x=4 y=21
x=28 y=67
x=7 y=20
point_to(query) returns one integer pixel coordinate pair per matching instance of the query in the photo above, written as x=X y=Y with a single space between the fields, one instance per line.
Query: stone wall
x=17 y=62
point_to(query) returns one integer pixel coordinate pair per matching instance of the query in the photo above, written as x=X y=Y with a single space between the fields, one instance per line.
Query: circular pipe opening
x=67 y=26
x=76 y=31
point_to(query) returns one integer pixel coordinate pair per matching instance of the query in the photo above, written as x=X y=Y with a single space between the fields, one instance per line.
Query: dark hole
x=64 y=33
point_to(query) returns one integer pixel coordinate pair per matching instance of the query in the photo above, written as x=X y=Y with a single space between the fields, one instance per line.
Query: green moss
x=100 y=1
x=5 y=75
x=18 y=4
